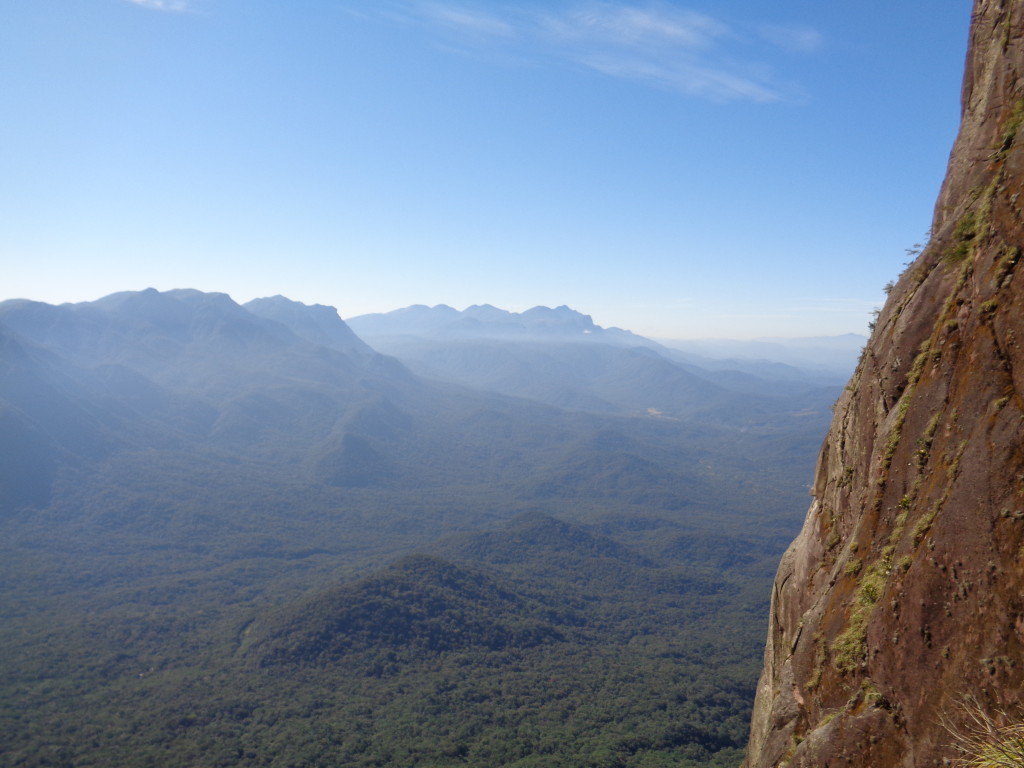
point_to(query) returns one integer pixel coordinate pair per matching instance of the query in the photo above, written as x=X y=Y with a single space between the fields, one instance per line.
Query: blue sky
x=681 y=169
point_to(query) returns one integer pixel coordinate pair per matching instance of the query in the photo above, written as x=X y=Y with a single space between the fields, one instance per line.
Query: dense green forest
x=577 y=651
x=231 y=537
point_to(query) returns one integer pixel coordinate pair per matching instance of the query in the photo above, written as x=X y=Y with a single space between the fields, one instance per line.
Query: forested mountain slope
x=239 y=536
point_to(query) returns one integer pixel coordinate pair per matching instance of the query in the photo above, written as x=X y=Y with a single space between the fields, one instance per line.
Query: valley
x=240 y=535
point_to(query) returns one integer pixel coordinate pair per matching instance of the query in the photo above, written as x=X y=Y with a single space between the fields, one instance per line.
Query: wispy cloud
x=466 y=19
x=630 y=26
x=798 y=38
x=171 y=6
x=653 y=43
x=689 y=78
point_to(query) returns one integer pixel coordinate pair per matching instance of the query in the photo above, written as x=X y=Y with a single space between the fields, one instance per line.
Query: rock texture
x=903 y=596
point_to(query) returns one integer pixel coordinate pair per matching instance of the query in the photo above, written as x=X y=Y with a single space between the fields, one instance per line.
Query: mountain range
x=203 y=502
x=482 y=321
x=560 y=357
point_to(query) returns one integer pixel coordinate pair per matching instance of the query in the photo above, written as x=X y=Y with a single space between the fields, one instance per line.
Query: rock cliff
x=898 y=612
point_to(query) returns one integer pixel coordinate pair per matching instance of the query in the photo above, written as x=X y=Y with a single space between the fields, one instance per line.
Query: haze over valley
x=222 y=519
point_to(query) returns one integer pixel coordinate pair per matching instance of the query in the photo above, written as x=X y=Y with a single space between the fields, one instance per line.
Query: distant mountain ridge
x=835 y=356
x=561 y=357
x=483 y=321
x=211 y=381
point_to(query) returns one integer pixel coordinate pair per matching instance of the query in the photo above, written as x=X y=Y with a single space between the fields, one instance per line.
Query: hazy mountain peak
x=486 y=312
x=90 y=331
x=151 y=298
x=151 y=305
x=485 y=321
x=316 y=323
x=189 y=340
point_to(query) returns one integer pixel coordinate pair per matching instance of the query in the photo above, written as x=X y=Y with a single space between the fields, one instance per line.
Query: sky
x=732 y=169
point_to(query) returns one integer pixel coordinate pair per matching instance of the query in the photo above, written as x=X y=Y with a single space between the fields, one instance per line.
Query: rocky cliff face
x=902 y=599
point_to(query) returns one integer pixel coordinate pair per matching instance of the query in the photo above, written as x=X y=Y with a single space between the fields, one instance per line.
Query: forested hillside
x=240 y=536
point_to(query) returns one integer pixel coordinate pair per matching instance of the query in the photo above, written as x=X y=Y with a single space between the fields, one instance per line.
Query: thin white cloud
x=688 y=78
x=172 y=6
x=798 y=38
x=630 y=26
x=653 y=43
x=465 y=19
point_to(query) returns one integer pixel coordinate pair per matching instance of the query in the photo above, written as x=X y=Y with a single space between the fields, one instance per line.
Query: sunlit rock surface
x=903 y=596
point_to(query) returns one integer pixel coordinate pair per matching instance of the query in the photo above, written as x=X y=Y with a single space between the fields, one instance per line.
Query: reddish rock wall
x=904 y=593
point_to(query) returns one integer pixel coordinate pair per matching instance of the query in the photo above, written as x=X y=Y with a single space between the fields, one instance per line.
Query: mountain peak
x=317 y=323
x=485 y=321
